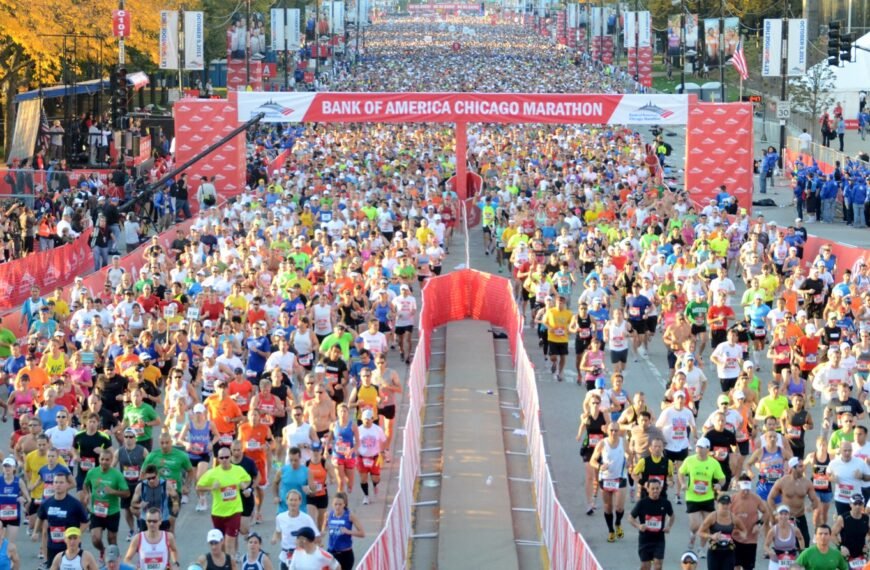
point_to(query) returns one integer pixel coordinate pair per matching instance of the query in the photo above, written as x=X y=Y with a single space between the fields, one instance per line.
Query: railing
x=821 y=154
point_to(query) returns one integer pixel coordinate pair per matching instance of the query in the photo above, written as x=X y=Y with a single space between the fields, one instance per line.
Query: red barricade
x=46 y=270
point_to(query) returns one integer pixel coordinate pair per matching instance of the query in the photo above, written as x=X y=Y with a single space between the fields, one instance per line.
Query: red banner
x=719 y=139
x=199 y=123
x=47 y=270
x=121 y=24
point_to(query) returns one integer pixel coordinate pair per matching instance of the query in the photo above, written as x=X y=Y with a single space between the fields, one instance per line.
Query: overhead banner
x=771 y=49
x=292 y=107
x=691 y=31
x=194 y=41
x=280 y=28
x=638 y=29
x=674 y=34
x=573 y=15
x=796 y=62
x=168 y=39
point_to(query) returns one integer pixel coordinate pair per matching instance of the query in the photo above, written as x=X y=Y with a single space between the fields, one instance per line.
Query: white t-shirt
x=317 y=560
x=287 y=525
x=406 y=310
x=617 y=336
x=371 y=440
x=376 y=343
x=847 y=485
x=675 y=426
x=732 y=356
x=60 y=439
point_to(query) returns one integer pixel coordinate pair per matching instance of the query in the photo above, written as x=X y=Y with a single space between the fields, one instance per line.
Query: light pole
x=722 y=51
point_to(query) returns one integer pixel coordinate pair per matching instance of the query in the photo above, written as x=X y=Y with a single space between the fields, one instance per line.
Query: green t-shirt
x=813 y=559
x=838 y=437
x=226 y=499
x=170 y=466
x=696 y=312
x=344 y=342
x=702 y=475
x=775 y=407
x=96 y=481
x=136 y=418
x=7 y=339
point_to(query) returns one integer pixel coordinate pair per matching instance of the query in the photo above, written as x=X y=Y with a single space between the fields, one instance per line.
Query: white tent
x=852 y=78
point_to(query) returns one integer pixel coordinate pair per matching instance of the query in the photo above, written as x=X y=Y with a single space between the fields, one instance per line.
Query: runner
x=289 y=522
x=154 y=547
x=653 y=517
x=154 y=493
x=255 y=558
x=557 y=321
x=130 y=458
x=821 y=555
x=227 y=482
x=610 y=461
x=755 y=515
x=370 y=450
x=701 y=476
x=56 y=513
x=216 y=558
x=103 y=488
x=846 y=474
x=589 y=434
x=783 y=542
x=72 y=557
x=308 y=555
x=341 y=526
x=14 y=499
x=850 y=532
x=678 y=425
x=794 y=488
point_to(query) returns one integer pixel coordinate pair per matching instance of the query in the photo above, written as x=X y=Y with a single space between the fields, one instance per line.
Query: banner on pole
x=691 y=31
x=280 y=28
x=573 y=19
x=121 y=23
x=674 y=35
x=796 y=62
x=168 y=39
x=335 y=14
x=711 y=42
x=194 y=41
x=771 y=58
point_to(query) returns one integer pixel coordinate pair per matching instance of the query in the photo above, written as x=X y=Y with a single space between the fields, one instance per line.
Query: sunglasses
x=151 y=521
x=223 y=456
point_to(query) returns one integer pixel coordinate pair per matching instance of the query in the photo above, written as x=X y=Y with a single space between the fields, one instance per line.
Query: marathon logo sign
x=464 y=107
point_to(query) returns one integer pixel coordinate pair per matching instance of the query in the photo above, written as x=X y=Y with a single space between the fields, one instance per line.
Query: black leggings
x=345 y=558
x=720 y=559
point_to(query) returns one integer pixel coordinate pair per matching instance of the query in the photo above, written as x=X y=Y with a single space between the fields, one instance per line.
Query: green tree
x=812 y=92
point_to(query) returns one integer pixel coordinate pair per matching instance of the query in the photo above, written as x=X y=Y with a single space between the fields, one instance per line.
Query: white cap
x=208 y=352
x=703 y=442
x=214 y=535
x=793 y=462
x=368 y=415
x=810 y=328
x=9 y=461
x=207 y=324
x=784 y=508
x=199 y=409
x=739 y=395
x=748 y=364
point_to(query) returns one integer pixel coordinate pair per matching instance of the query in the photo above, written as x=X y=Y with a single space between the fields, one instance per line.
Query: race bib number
x=197 y=447
x=8 y=512
x=820 y=482
x=845 y=492
x=225 y=439
x=368 y=461
x=720 y=453
x=812 y=358
x=794 y=432
x=153 y=563
x=817 y=299
x=342 y=448
x=88 y=463
x=610 y=485
x=760 y=332
x=229 y=493
x=679 y=433
x=253 y=445
x=305 y=359
x=101 y=508
x=584 y=333
x=138 y=429
x=857 y=563
x=701 y=487
x=56 y=533
x=559 y=331
x=48 y=490
x=594 y=438
x=653 y=524
x=634 y=311
x=131 y=472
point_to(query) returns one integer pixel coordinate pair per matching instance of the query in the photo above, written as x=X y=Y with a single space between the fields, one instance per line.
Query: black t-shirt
x=335 y=369
x=817 y=286
x=831 y=335
x=87 y=446
x=720 y=446
x=59 y=515
x=652 y=513
x=850 y=405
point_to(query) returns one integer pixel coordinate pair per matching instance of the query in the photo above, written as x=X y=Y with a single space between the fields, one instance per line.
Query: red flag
x=739 y=62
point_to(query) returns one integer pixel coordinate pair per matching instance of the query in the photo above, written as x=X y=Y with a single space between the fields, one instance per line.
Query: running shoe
x=611 y=537
x=184 y=499
x=679 y=500
x=619 y=532
x=553 y=368
x=590 y=510
x=365 y=500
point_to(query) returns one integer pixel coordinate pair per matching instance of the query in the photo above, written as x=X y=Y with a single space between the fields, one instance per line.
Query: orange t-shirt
x=125 y=361
x=38 y=379
x=256 y=315
x=791 y=301
x=220 y=411
x=254 y=439
x=244 y=390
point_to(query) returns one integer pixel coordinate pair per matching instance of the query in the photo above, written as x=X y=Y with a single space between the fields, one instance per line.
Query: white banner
x=194 y=41
x=637 y=23
x=796 y=64
x=280 y=27
x=771 y=58
x=168 y=39
x=573 y=21
x=335 y=13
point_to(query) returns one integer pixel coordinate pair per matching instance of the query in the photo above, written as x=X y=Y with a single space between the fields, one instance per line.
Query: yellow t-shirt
x=237 y=302
x=557 y=324
x=33 y=462
x=226 y=499
x=367 y=399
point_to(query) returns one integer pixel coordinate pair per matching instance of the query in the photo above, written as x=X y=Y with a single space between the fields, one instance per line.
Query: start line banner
x=464 y=107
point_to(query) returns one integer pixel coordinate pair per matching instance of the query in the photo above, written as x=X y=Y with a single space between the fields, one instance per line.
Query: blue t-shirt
x=256 y=362
x=637 y=308
x=48 y=416
x=59 y=515
x=757 y=315
x=292 y=479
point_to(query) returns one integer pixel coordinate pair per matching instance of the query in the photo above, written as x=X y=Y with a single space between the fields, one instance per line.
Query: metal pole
x=783 y=94
x=637 y=41
x=316 y=42
x=286 y=48
x=683 y=47
x=181 y=53
x=588 y=29
x=247 y=47
x=722 y=51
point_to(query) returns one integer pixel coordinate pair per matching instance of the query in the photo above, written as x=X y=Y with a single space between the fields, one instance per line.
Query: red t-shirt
x=716 y=311
x=809 y=348
x=212 y=310
x=147 y=303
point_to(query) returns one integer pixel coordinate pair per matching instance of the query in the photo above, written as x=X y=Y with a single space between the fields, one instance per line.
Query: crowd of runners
x=262 y=358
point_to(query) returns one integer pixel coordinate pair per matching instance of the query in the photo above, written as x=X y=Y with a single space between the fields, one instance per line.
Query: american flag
x=739 y=62
x=44 y=129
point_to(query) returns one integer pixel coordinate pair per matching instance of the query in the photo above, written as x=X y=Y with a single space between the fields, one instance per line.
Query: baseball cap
x=600 y=383
x=368 y=415
x=113 y=553
x=703 y=442
x=144 y=357
x=316 y=446
x=785 y=509
x=305 y=532
x=199 y=409
x=208 y=352
x=9 y=461
x=72 y=531
x=857 y=500
x=793 y=462
x=688 y=556
x=129 y=431
x=739 y=395
x=214 y=535
x=207 y=324
x=810 y=328
x=724 y=499
x=748 y=364
x=680 y=394
x=723 y=399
